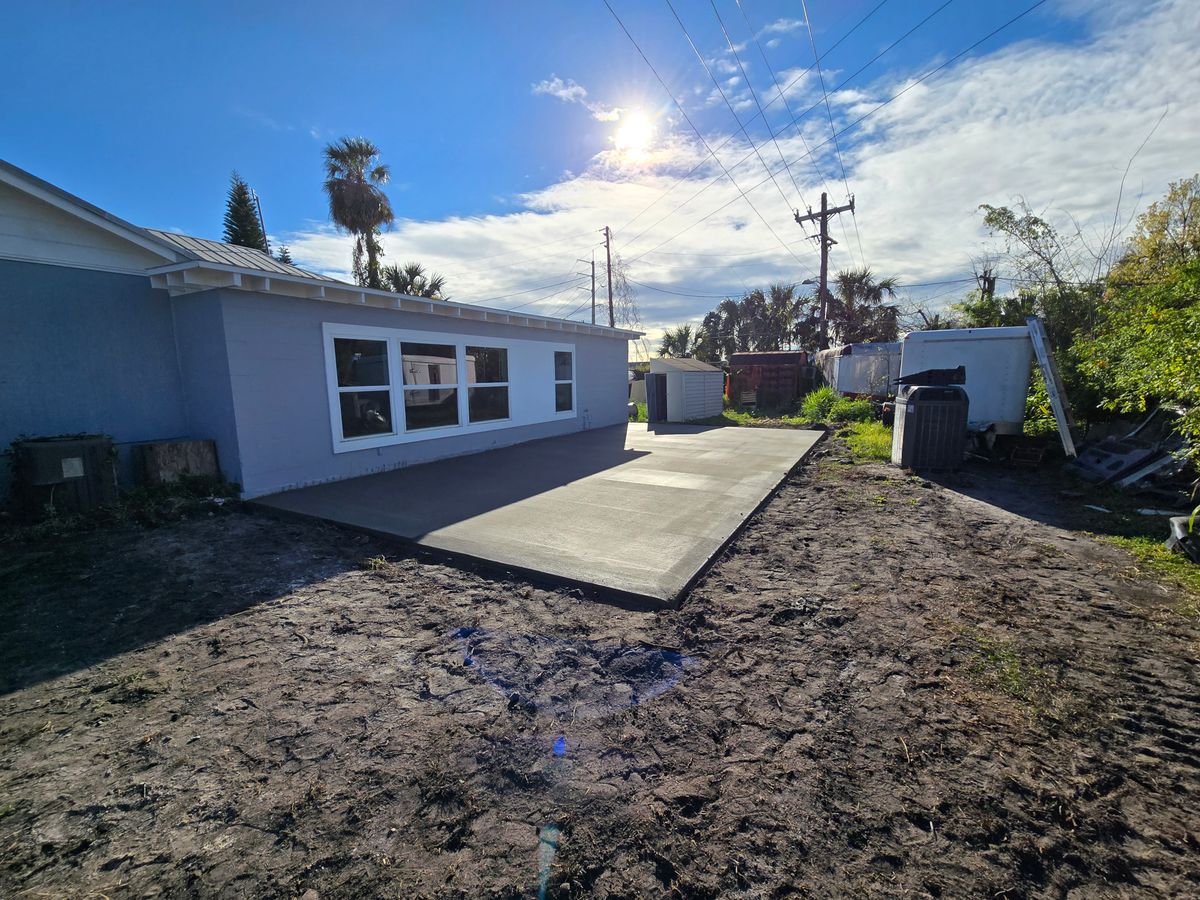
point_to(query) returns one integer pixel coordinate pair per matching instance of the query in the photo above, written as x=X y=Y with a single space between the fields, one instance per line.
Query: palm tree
x=411 y=279
x=357 y=203
x=857 y=311
x=677 y=342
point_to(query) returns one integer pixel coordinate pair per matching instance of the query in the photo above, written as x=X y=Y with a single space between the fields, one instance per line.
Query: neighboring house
x=147 y=336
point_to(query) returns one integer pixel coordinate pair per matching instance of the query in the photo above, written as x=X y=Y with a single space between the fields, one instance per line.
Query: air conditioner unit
x=930 y=429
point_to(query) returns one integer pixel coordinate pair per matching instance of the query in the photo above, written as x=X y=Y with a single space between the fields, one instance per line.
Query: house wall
x=281 y=402
x=33 y=231
x=204 y=371
x=86 y=351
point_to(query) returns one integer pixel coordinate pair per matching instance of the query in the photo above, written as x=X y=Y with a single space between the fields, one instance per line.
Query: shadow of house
x=80 y=599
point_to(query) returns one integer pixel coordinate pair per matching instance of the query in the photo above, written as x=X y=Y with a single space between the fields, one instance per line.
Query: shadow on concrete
x=413 y=501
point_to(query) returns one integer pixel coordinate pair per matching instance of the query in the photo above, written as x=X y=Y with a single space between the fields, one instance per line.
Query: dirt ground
x=884 y=687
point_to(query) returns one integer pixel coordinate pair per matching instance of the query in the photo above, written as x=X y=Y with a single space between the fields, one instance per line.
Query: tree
x=357 y=204
x=857 y=311
x=411 y=279
x=1146 y=348
x=242 y=226
x=677 y=342
x=284 y=255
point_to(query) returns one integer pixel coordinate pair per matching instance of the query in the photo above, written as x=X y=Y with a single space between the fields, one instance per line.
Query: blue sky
x=145 y=108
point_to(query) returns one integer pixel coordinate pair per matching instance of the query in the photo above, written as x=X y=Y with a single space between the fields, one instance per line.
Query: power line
x=688 y=119
x=526 y=291
x=519 y=262
x=832 y=128
x=696 y=167
x=729 y=106
x=654 y=287
x=779 y=90
x=857 y=121
x=794 y=123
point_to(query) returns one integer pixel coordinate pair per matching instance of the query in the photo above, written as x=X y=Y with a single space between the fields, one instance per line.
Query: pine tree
x=241 y=217
x=284 y=255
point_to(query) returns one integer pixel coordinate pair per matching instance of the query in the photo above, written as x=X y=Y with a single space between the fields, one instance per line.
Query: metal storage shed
x=695 y=390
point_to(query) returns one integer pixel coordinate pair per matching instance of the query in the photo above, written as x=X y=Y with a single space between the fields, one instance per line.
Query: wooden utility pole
x=826 y=242
x=612 y=322
x=987 y=284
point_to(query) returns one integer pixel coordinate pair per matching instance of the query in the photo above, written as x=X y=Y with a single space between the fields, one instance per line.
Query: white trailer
x=862 y=370
x=998 y=363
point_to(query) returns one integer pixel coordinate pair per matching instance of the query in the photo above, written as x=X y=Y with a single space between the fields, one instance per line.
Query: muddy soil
x=885 y=687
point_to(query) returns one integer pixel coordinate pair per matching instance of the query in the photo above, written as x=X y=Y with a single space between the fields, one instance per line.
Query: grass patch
x=757 y=419
x=869 y=441
x=997 y=664
x=1163 y=565
x=639 y=413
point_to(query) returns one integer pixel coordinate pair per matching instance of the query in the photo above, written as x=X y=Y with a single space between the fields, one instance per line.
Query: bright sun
x=634 y=134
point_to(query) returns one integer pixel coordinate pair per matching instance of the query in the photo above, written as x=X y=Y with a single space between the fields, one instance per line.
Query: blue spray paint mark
x=560 y=746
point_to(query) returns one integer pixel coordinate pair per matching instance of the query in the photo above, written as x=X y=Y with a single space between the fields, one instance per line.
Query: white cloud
x=571 y=91
x=782 y=26
x=1055 y=123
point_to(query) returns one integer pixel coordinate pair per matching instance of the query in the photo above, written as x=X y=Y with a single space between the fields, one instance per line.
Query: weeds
x=869 y=442
x=147 y=506
x=998 y=665
x=1163 y=565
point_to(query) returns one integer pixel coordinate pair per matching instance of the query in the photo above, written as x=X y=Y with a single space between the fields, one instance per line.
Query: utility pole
x=612 y=322
x=593 y=287
x=987 y=284
x=826 y=242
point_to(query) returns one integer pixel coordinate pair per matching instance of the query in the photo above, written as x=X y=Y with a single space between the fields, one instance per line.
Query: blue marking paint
x=560 y=746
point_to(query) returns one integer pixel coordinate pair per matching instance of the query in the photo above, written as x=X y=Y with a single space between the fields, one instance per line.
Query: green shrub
x=846 y=410
x=816 y=406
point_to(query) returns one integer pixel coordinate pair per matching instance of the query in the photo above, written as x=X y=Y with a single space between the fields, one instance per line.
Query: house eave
x=193 y=275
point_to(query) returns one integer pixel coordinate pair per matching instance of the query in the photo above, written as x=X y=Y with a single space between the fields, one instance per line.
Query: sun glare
x=634 y=134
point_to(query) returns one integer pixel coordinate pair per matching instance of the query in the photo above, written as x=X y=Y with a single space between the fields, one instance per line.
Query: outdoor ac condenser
x=930 y=431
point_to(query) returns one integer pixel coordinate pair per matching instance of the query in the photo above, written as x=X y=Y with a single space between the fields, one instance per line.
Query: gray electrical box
x=67 y=474
x=930 y=429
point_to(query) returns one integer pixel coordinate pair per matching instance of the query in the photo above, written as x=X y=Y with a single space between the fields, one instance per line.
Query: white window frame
x=365 y=441
x=528 y=350
x=506 y=384
x=565 y=413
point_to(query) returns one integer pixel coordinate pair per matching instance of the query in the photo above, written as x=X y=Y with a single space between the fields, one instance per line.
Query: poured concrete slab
x=639 y=510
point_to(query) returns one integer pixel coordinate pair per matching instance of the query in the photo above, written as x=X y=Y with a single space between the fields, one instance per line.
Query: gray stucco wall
x=277 y=371
x=204 y=370
x=86 y=351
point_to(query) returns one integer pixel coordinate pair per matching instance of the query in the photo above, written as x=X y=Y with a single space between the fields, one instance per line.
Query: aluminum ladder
x=1054 y=385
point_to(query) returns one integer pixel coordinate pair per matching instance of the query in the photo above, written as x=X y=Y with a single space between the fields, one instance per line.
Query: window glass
x=428 y=363
x=562 y=397
x=366 y=412
x=563 y=370
x=361 y=363
x=431 y=408
x=487 y=365
x=486 y=404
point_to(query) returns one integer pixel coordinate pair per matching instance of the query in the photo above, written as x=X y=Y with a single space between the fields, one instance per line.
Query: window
x=430 y=385
x=564 y=381
x=390 y=386
x=364 y=387
x=487 y=375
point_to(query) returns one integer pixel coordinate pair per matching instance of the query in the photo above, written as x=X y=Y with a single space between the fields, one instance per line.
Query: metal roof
x=686 y=364
x=232 y=255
